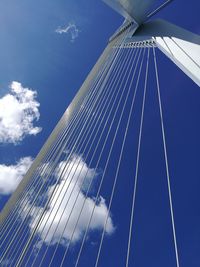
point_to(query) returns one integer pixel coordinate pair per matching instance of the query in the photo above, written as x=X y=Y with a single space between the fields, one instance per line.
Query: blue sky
x=55 y=65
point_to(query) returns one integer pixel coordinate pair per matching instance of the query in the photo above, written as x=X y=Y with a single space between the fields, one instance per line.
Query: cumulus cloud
x=61 y=206
x=11 y=176
x=18 y=112
x=70 y=29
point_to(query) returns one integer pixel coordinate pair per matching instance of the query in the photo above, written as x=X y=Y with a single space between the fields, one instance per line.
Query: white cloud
x=62 y=198
x=18 y=111
x=71 y=29
x=11 y=176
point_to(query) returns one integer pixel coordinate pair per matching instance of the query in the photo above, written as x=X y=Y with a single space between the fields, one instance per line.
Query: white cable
x=111 y=108
x=33 y=231
x=112 y=194
x=137 y=163
x=166 y=161
x=85 y=147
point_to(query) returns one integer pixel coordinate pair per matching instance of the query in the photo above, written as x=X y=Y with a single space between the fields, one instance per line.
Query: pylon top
x=134 y=10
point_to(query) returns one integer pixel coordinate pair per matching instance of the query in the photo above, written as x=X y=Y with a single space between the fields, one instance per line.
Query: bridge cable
x=75 y=172
x=102 y=179
x=137 y=162
x=116 y=88
x=166 y=160
x=113 y=190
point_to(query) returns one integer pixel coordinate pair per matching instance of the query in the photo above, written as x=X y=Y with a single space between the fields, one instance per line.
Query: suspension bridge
x=68 y=194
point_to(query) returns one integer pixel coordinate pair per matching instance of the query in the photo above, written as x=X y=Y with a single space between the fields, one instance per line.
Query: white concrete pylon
x=132 y=10
x=178 y=44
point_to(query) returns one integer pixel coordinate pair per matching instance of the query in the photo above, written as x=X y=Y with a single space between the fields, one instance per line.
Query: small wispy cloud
x=70 y=29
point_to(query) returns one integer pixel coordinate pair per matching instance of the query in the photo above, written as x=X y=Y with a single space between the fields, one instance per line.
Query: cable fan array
x=65 y=210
